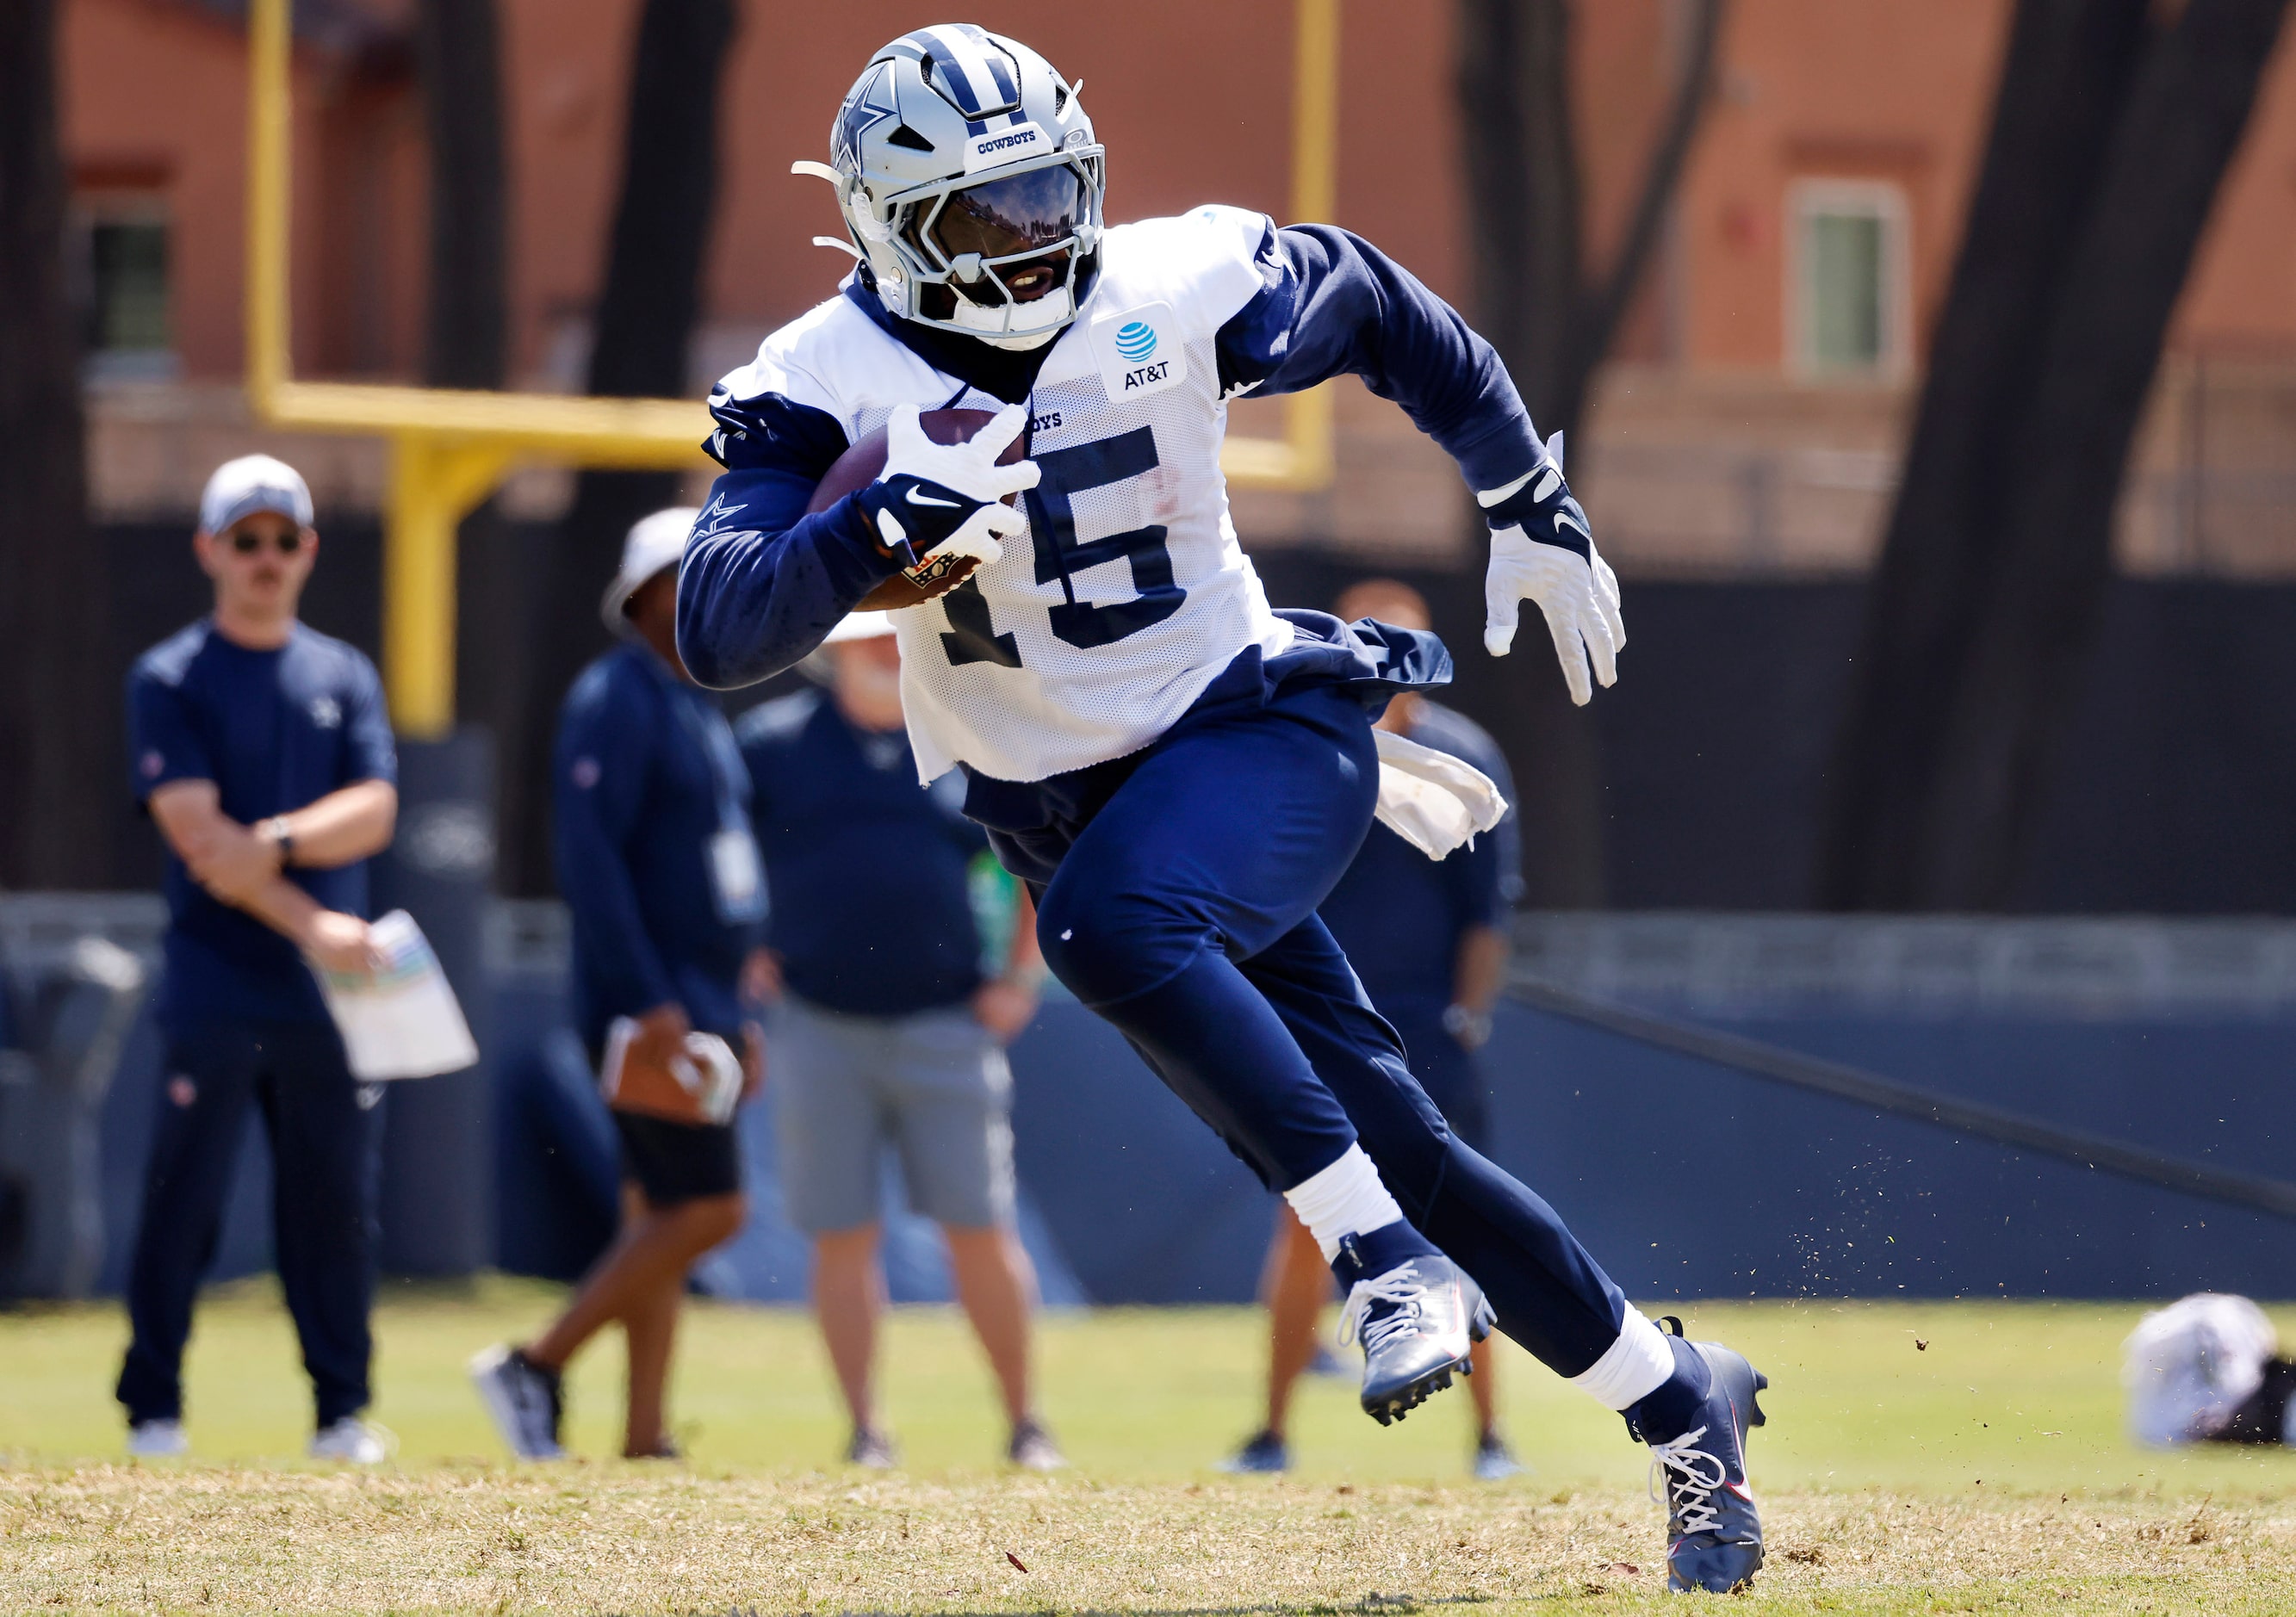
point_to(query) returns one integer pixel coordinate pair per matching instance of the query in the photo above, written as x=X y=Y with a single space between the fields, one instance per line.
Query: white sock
x=1346 y=1198
x=1633 y=1368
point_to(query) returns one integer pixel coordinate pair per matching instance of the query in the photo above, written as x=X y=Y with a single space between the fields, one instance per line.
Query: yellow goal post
x=451 y=448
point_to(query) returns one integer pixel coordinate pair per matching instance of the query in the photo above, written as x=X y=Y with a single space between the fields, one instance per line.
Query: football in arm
x=865 y=463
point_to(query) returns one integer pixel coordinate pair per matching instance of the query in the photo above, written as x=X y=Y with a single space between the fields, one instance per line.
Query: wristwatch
x=276 y=831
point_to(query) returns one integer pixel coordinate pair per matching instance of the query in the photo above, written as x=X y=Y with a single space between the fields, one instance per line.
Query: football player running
x=1180 y=773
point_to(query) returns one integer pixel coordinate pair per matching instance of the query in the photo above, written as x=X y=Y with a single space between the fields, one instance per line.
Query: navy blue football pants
x=1177 y=894
x=324 y=1178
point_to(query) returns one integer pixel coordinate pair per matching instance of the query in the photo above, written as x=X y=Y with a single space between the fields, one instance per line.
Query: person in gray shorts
x=894 y=994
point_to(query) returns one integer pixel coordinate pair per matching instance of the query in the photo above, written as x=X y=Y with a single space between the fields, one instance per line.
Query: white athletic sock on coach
x=1635 y=1365
x=1347 y=1198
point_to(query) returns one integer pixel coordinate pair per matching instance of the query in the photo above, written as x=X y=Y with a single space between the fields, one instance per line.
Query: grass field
x=1984 y=1471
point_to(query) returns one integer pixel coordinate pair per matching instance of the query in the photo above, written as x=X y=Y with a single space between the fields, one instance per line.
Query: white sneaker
x=353 y=1441
x=158 y=1440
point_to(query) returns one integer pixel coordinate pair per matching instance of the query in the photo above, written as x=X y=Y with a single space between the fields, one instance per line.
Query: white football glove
x=942 y=499
x=1542 y=550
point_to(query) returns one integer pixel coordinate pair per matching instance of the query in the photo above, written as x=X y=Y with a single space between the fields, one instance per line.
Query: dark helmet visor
x=1020 y=213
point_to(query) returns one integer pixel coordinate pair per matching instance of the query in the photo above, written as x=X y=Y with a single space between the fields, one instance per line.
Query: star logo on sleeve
x=716 y=515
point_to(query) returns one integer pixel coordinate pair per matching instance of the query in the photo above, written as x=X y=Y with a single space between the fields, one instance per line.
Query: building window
x=1846 y=294
x=124 y=289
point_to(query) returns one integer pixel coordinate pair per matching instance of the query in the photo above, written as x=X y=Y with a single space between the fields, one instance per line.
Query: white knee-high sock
x=1347 y=1198
x=1637 y=1365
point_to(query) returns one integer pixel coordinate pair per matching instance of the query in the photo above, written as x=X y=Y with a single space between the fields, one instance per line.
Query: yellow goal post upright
x=451 y=448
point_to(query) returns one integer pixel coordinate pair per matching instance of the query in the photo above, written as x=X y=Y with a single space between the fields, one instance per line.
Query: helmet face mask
x=971 y=185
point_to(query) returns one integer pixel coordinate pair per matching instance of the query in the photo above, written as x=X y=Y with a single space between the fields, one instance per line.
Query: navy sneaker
x=526 y=1402
x=1263 y=1451
x=1713 y=1530
x=1416 y=1323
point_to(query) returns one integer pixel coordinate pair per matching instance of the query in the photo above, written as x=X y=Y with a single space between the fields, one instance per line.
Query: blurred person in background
x=663 y=887
x=1429 y=943
x=262 y=750
x=888 y=1028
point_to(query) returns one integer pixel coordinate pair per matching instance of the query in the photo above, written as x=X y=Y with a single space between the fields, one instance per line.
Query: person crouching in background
x=662 y=883
x=887 y=1030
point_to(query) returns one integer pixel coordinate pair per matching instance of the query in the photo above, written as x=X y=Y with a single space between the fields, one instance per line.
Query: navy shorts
x=679 y=1162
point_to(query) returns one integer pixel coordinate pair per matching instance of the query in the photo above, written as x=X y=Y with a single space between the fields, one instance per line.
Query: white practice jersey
x=1128 y=595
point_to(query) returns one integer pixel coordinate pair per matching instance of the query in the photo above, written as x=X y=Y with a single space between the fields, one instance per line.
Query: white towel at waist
x=1431 y=799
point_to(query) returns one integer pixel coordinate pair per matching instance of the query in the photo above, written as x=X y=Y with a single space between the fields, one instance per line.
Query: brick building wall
x=1728 y=438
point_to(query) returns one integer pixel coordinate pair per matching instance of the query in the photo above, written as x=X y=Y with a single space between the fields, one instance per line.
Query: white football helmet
x=966 y=171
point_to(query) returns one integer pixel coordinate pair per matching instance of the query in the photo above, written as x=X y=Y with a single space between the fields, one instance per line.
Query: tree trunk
x=461 y=64
x=647 y=310
x=2110 y=140
x=1552 y=320
x=58 y=718
x=2039 y=615
x=2063 y=80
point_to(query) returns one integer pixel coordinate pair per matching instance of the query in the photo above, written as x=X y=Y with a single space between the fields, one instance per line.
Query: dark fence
x=1686 y=1175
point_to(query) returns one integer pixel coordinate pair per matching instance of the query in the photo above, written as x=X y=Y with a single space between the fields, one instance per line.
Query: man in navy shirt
x=888 y=1027
x=662 y=880
x=1429 y=943
x=262 y=750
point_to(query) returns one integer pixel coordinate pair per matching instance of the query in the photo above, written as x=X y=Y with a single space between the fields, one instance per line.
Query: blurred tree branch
x=458 y=46
x=1553 y=318
x=2112 y=129
x=54 y=760
x=648 y=308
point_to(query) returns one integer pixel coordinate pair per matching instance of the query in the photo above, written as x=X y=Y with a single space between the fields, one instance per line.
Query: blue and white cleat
x=1713 y=1530
x=1416 y=1323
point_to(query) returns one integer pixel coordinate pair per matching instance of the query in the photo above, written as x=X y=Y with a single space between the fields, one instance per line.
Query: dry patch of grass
x=622 y=1539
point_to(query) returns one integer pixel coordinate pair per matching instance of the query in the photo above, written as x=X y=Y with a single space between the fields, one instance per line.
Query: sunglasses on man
x=247 y=543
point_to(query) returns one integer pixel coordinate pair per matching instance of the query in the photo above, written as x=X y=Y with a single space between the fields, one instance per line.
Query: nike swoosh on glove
x=1542 y=550
x=936 y=500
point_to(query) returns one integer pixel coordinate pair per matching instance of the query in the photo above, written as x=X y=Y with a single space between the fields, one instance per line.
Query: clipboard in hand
x=700 y=1085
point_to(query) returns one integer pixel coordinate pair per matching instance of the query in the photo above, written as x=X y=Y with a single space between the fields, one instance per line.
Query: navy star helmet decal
x=871 y=103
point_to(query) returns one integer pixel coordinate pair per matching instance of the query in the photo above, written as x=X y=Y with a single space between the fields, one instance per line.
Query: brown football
x=865 y=463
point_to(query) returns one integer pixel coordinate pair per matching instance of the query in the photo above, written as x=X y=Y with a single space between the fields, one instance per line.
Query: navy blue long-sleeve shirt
x=645 y=777
x=763 y=582
x=1400 y=915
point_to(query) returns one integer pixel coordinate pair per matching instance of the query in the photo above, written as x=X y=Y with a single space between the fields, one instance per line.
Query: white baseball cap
x=860 y=625
x=819 y=667
x=656 y=542
x=253 y=483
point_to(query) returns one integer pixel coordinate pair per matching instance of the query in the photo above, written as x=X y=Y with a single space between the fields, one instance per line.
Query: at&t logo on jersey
x=1135 y=353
